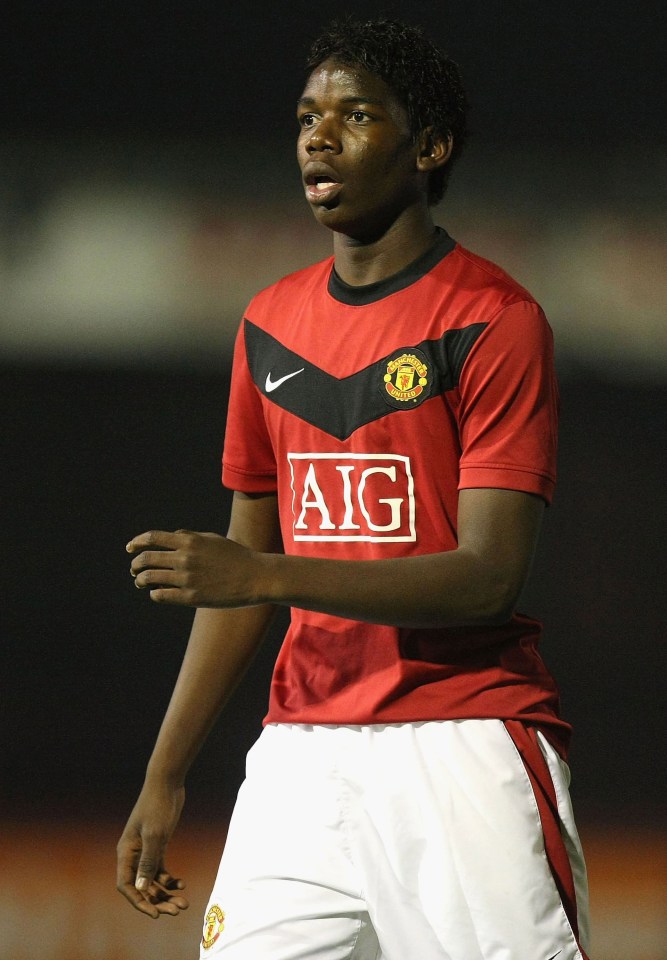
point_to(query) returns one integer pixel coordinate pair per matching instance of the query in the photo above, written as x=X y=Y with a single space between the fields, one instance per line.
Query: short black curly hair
x=426 y=81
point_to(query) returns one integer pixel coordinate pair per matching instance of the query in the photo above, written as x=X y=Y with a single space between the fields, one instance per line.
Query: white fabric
x=398 y=842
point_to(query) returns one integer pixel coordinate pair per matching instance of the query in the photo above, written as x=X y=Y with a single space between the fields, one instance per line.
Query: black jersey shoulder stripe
x=339 y=406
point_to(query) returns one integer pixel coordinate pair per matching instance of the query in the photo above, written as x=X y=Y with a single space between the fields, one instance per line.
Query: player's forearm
x=222 y=645
x=478 y=582
x=434 y=590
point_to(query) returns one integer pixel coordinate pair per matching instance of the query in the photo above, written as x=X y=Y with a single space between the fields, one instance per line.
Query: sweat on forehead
x=352 y=82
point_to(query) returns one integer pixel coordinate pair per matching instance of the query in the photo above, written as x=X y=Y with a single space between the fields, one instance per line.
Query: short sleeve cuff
x=505 y=478
x=235 y=479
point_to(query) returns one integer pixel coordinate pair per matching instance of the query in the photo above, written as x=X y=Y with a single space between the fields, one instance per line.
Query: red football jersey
x=367 y=409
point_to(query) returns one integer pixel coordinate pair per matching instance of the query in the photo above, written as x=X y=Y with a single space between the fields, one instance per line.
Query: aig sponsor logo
x=356 y=496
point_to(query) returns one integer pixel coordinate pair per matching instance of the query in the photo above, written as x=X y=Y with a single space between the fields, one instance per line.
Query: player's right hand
x=142 y=877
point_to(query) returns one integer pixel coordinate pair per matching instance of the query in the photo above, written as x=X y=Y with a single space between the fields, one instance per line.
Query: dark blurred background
x=147 y=190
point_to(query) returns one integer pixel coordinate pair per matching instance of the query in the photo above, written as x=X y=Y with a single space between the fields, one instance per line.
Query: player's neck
x=360 y=262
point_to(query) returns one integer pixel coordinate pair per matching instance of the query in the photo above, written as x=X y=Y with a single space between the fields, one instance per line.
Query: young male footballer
x=391 y=445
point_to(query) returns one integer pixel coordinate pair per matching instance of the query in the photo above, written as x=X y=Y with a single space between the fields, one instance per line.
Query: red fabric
x=525 y=740
x=391 y=488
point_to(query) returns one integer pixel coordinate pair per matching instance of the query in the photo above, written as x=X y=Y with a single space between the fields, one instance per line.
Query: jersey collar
x=371 y=292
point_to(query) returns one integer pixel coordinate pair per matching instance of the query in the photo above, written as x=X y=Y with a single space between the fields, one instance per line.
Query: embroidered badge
x=214 y=924
x=406 y=380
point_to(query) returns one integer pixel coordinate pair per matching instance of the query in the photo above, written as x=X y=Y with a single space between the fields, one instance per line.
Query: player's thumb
x=148 y=864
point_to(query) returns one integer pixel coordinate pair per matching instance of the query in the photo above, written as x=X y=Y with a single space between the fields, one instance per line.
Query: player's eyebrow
x=309 y=101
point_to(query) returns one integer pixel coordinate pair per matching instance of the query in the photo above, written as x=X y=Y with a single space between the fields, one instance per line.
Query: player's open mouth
x=321 y=188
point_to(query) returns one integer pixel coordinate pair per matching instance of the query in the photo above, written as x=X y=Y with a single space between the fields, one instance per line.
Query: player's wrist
x=268 y=578
x=164 y=775
x=293 y=581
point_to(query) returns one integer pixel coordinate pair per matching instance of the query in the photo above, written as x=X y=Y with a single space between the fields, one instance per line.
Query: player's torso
x=365 y=397
x=360 y=399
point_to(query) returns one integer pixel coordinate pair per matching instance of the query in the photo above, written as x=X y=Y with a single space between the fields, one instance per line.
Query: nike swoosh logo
x=272 y=385
x=556 y=955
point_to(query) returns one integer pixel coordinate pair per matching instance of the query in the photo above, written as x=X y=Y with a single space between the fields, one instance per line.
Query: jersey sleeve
x=248 y=460
x=508 y=418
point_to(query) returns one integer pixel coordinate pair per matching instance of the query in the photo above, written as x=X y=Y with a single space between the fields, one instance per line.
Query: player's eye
x=307 y=119
x=358 y=116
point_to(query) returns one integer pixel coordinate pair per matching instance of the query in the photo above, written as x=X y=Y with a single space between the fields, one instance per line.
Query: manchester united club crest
x=406 y=380
x=214 y=924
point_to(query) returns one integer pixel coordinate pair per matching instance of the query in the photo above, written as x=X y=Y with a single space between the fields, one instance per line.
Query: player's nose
x=324 y=136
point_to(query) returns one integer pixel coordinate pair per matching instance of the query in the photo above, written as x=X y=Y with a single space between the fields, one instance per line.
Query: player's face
x=356 y=154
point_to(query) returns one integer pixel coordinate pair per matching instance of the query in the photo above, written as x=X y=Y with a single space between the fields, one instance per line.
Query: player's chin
x=326 y=213
x=340 y=219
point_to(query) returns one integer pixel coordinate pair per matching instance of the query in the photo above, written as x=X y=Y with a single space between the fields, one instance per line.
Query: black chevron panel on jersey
x=339 y=406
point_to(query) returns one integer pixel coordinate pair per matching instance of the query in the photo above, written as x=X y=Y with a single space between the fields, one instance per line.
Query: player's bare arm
x=222 y=644
x=479 y=582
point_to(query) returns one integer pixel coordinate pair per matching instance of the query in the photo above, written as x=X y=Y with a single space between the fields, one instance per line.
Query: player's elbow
x=497 y=598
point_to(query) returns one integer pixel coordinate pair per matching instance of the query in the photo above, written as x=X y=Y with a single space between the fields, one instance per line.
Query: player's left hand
x=193 y=569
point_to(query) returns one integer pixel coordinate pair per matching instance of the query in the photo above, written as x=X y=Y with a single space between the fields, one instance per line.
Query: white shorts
x=449 y=840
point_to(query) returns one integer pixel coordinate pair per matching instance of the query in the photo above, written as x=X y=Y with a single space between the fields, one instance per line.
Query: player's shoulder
x=292 y=286
x=478 y=290
x=487 y=273
x=483 y=291
x=492 y=296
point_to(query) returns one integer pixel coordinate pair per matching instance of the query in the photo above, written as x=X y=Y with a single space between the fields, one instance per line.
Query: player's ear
x=434 y=150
